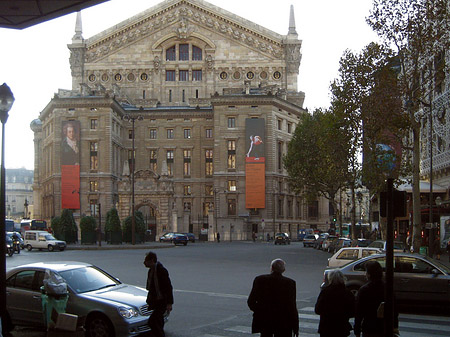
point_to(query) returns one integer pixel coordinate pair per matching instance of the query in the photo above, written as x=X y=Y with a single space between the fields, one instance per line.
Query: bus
x=26 y=225
x=9 y=225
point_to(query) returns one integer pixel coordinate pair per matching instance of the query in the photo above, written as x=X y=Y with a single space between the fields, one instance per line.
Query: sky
x=34 y=62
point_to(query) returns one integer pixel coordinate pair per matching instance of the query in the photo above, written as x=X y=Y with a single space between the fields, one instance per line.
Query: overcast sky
x=34 y=62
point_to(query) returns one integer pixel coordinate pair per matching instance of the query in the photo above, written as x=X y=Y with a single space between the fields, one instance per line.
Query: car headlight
x=128 y=312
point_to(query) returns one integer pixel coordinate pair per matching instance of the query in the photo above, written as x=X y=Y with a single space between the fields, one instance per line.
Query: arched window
x=196 y=53
x=170 y=54
x=184 y=52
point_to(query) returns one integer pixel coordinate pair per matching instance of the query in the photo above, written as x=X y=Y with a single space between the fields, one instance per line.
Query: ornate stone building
x=19 y=193
x=181 y=83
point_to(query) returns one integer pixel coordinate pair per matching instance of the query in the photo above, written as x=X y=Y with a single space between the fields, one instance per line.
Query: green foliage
x=317 y=157
x=88 y=224
x=112 y=221
x=67 y=221
x=56 y=224
x=139 y=226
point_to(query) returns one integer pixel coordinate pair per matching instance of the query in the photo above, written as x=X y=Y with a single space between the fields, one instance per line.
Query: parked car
x=337 y=244
x=326 y=243
x=43 y=240
x=303 y=232
x=282 y=239
x=398 y=245
x=110 y=307
x=418 y=280
x=318 y=243
x=190 y=236
x=309 y=240
x=349 y=254
x=361 y=243
x=175 y=238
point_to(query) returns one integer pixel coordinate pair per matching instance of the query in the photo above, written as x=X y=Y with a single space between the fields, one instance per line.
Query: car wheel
x=29 y=248
x=353 y=290
x=99 y=326
x=185 y=243
x=50 y=248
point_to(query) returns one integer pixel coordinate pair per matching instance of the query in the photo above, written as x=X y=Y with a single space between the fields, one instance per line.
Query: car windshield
x=86 y=279
x=439 y=264
x=49 y=237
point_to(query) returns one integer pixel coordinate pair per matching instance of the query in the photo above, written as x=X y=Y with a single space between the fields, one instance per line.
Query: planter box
x=114 y=238
x=88 y=238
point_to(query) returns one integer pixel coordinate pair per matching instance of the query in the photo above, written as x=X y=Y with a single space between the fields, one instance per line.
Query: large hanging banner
x=255 y=164
x=70 y=165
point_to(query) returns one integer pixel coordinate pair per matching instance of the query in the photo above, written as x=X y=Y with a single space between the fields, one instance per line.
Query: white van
x=42 y=240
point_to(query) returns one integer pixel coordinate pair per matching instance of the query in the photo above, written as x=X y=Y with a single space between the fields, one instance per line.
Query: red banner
x=70 y=186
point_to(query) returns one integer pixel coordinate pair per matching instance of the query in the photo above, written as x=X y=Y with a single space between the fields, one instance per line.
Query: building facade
x=185 y=85
x=19 y=193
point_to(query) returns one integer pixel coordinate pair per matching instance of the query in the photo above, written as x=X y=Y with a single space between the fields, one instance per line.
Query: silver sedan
x=110 y=308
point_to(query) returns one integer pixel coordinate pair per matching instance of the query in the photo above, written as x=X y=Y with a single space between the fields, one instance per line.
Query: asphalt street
x=212 y=281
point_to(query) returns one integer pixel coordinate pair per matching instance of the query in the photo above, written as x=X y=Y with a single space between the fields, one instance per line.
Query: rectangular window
x=184 y=52
x=313 y=209
x=209 y=133
x=170 y=54
x=187 y=133
x=153 y=160
x=231 y=206
x=187 y=162
x=280 y=207
x=169 y=157
x=153 y=134
x=94 y=124
x=170 y=95
x=280 y=155
x=169 y=133
x=232 y=185
x=231 y=122
x=93 y=206
x=196 y=53
x=170 y=75
x=209 y=190
x=196 y=75
x=183 y=75
x=94 y=155
x=231 y=154
x=289 y=126
x=183 y=96
x=187 y=189
x=209 y=162
x=93 y=186
x=280 y=124
x=130 y=134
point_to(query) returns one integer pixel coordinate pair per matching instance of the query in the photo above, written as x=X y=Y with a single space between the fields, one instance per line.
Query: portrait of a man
x=70 y=147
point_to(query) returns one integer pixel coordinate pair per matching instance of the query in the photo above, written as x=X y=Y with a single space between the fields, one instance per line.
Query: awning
x=424 y=187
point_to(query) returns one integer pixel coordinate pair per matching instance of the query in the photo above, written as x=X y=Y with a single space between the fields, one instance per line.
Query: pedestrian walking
x=368 y=300
x=437 y=247
x=273 y=302
x=160 y=294
x=254 y=236
x=218 y=237
x=268 y=237
x=335 y=305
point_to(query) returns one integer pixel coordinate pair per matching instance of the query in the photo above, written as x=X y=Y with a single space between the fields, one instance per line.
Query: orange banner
x=70 y=186
x=255 y=184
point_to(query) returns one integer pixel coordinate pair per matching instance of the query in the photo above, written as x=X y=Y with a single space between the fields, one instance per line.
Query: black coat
x=273 y=302
x=335 y=305
x=165 y=287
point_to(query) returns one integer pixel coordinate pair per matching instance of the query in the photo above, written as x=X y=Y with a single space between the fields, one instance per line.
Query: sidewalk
x=106 y=246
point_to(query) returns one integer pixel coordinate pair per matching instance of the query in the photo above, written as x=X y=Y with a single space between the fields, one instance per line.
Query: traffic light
x=334 y=218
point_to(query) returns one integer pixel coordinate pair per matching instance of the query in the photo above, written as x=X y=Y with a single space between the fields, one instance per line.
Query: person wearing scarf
x=160 y=293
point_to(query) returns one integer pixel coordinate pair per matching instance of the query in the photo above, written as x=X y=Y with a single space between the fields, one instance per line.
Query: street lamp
x=132 y=119
x=6 y=102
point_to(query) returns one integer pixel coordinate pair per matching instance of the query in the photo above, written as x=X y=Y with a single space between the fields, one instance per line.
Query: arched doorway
x=149 y=213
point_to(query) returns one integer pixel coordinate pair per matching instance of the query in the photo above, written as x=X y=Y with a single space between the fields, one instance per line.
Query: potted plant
x=88 y=227
x=112 y=227
x=139 y=228
x=68 y=230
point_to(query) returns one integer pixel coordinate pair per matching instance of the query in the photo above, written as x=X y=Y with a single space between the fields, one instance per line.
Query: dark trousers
x=270 y=333
x=156 y=321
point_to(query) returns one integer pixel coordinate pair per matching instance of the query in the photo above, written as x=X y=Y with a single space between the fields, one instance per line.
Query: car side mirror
x=435 y=272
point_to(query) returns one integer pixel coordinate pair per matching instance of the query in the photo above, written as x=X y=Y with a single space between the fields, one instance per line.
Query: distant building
x=18 y=193
x=214 y=102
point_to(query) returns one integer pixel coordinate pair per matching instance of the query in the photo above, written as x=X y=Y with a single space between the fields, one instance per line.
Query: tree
x=68 y=227
x=88 y=224
x=112 y=223
x=419 y=30
x=317 y=156
x=139 y=226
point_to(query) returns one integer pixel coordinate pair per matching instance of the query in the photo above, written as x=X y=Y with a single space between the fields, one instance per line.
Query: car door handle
x=404 y=280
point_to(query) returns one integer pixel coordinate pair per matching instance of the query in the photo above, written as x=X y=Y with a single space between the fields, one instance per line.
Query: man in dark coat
x=273 y=302
x=160 y=294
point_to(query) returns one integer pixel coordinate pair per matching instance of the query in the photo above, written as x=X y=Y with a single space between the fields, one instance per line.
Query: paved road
x=212 y=281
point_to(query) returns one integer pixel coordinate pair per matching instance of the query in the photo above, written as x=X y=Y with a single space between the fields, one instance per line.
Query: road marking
x=212 y=294
x=241 y=329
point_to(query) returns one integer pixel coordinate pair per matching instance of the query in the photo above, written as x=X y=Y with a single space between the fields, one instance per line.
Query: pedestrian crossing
x=409 y=325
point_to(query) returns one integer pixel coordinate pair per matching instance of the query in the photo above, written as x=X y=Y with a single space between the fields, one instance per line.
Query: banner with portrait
x=255 y=163
x=70 y=165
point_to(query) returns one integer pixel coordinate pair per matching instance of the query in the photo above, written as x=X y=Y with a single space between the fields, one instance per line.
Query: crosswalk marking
x=241 y=329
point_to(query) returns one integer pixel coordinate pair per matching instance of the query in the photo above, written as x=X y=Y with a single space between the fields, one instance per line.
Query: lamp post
x=25 y=205
x=6 y=102
x=132 y=119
